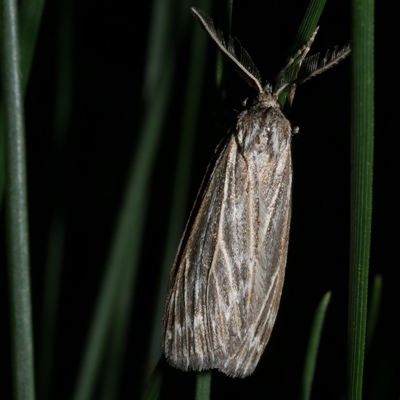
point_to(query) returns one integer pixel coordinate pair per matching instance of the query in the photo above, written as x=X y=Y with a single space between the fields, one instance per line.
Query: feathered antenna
x=245 y=66
x=305 y=69
x=308 y=67
x=301 y=55
x=311 y=67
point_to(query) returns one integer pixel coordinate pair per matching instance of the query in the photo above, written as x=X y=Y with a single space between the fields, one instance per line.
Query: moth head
x=268 y=98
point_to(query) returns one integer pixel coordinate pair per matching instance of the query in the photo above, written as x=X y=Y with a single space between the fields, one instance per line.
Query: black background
x=87 y=173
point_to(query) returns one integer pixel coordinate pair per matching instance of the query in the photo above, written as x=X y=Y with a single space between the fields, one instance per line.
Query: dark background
x=86 y=172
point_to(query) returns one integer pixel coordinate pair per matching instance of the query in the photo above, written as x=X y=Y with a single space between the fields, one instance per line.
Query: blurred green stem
x=30 y=15
x=312 y=348
x=203 y=385
x=16 y=209
x=119 y=281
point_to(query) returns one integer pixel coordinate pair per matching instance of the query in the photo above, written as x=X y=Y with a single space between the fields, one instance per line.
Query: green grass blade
x=122 y=264
x=16 y=209
x=361 y=186
x=203 y=385
x=117 y=342
x=30 y=13
x=2 y=155
x=128 y=238
x=153 y=388
x=308 y=24
x=312 y=348
x=165 y=24
x=30 y=16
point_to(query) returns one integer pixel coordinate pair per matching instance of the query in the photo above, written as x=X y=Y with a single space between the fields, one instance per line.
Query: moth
x=226 y=281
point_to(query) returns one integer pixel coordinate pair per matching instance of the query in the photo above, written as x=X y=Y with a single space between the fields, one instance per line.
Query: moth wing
x=226 y=282
x=187 y=340
x=260 y=274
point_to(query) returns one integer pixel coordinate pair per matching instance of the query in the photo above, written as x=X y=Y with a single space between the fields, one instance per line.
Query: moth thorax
x=266 y=130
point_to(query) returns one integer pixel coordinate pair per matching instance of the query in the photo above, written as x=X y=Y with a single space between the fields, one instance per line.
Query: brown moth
x=226 y=281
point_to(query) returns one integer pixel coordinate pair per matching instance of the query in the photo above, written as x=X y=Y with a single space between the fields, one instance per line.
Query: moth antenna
x=245 y=66
x=311 y=67
x=302 y=51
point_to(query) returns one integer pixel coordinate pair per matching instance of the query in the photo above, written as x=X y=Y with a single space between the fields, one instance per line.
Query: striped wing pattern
x=226 y=282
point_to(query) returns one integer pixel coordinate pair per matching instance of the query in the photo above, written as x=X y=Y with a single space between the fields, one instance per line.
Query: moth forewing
x=226 y=281
x=227 y=278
